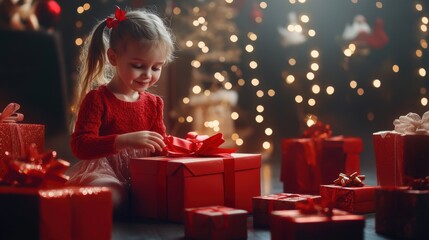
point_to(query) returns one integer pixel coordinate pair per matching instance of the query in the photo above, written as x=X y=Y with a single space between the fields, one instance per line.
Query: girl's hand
x=143 y=139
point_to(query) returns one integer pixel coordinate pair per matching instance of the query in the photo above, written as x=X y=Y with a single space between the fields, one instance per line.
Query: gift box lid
x=195 y=166
x=149 y=165
x=349 y=144
x=360 y=194
x=243 y=161
x=215 y=211
x=298 y=217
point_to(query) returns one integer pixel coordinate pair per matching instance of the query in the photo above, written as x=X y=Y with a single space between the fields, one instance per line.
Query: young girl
x=118 y=119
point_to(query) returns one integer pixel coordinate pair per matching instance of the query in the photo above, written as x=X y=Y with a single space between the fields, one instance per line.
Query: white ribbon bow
x=412 y=124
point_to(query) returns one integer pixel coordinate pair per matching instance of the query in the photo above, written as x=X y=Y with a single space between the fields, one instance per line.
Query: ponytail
x=93 y=70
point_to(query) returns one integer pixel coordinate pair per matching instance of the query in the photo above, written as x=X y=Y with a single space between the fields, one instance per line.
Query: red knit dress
x=102 y=117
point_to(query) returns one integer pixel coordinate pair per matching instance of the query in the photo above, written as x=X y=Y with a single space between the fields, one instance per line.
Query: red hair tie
x=119 y=17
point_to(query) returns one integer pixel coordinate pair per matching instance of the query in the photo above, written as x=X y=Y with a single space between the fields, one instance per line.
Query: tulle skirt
x=113 y=168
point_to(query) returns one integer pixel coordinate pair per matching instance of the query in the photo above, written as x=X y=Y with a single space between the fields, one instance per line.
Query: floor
x=270 y=183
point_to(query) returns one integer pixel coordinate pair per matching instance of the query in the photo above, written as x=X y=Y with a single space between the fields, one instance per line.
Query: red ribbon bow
x=352 y=180
x=318 y=130
x=119 y=17
x=10 y=114
x=310 y=207
x=35 y=170
x=196 y=145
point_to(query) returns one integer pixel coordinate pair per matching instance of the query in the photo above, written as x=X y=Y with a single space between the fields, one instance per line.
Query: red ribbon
x=119 y=17
x=310 y=207
x=215 y=209
x=318 y=130
x=196 y=145
x=279 y=196
x=35 y=170
x=10 y=115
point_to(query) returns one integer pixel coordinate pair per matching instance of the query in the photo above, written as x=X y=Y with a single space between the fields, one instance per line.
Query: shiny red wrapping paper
x=232 y=181
x=307 y=163
x=402 y=213
x=67 y=213
x=16 y=137
x=215 y=222
x=359 y=200
x=292 y=224
x=400 y=158
x=264 y=205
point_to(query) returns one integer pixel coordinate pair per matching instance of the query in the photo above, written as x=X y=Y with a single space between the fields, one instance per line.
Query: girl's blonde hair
x=95 y=70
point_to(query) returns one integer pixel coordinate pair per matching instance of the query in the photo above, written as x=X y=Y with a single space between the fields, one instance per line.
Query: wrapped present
x=215 y=222
x=66 y=213
x=264 y=205
x=16 y=137
x=402 y=212
x=309 y=162
x=195 y=158
x=401 y=154
x=349 y=193
x=315 y=222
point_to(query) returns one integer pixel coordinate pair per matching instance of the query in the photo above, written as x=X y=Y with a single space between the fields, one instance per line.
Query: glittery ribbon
x=35 y=170
x=310 y=207
x=352 y=180
x=412 y=124
x=10 y=115
x=318 y=130
x=119 y=17
x=196 y=145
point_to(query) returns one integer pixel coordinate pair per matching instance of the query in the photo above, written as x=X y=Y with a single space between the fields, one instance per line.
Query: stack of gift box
x=34 y=204
x=213 y=190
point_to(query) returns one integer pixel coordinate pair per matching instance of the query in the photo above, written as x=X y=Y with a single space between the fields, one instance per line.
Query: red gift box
x=16 y=138
x=339 y=154
x=185 y=181
x=358 y=200
x=300 y=172
x=31 y=213
x=402 y=213
x=240 y=181
x=188 y=183
x=400 y=158
x=215 y=222
x=307 y=163
x=293 y=224
x=264 y=205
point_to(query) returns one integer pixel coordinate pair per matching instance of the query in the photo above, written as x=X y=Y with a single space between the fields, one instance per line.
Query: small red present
x=300 y=170
x=312 y=221
x=307 y=163
x=32 y=213
x=15 y=137
x=359 y=200
x=264 y=205
x=215 y=222
x=400 y=157
x=402 y=212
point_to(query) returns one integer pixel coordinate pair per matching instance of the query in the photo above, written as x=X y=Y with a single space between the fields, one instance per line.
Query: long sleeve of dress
x=86 y=141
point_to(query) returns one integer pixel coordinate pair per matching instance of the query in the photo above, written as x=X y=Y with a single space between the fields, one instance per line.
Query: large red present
x=15 y=138
x=400 y=157
x=294 y=224
x=215 y=222
x=68 y=213
x=240 y=182
x=402 y=213
x=358 y=200
x=264 y=205
x=307 y=163
x=185 y=181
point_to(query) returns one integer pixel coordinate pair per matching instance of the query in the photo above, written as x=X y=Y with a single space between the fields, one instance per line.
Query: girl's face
x=138 y=67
